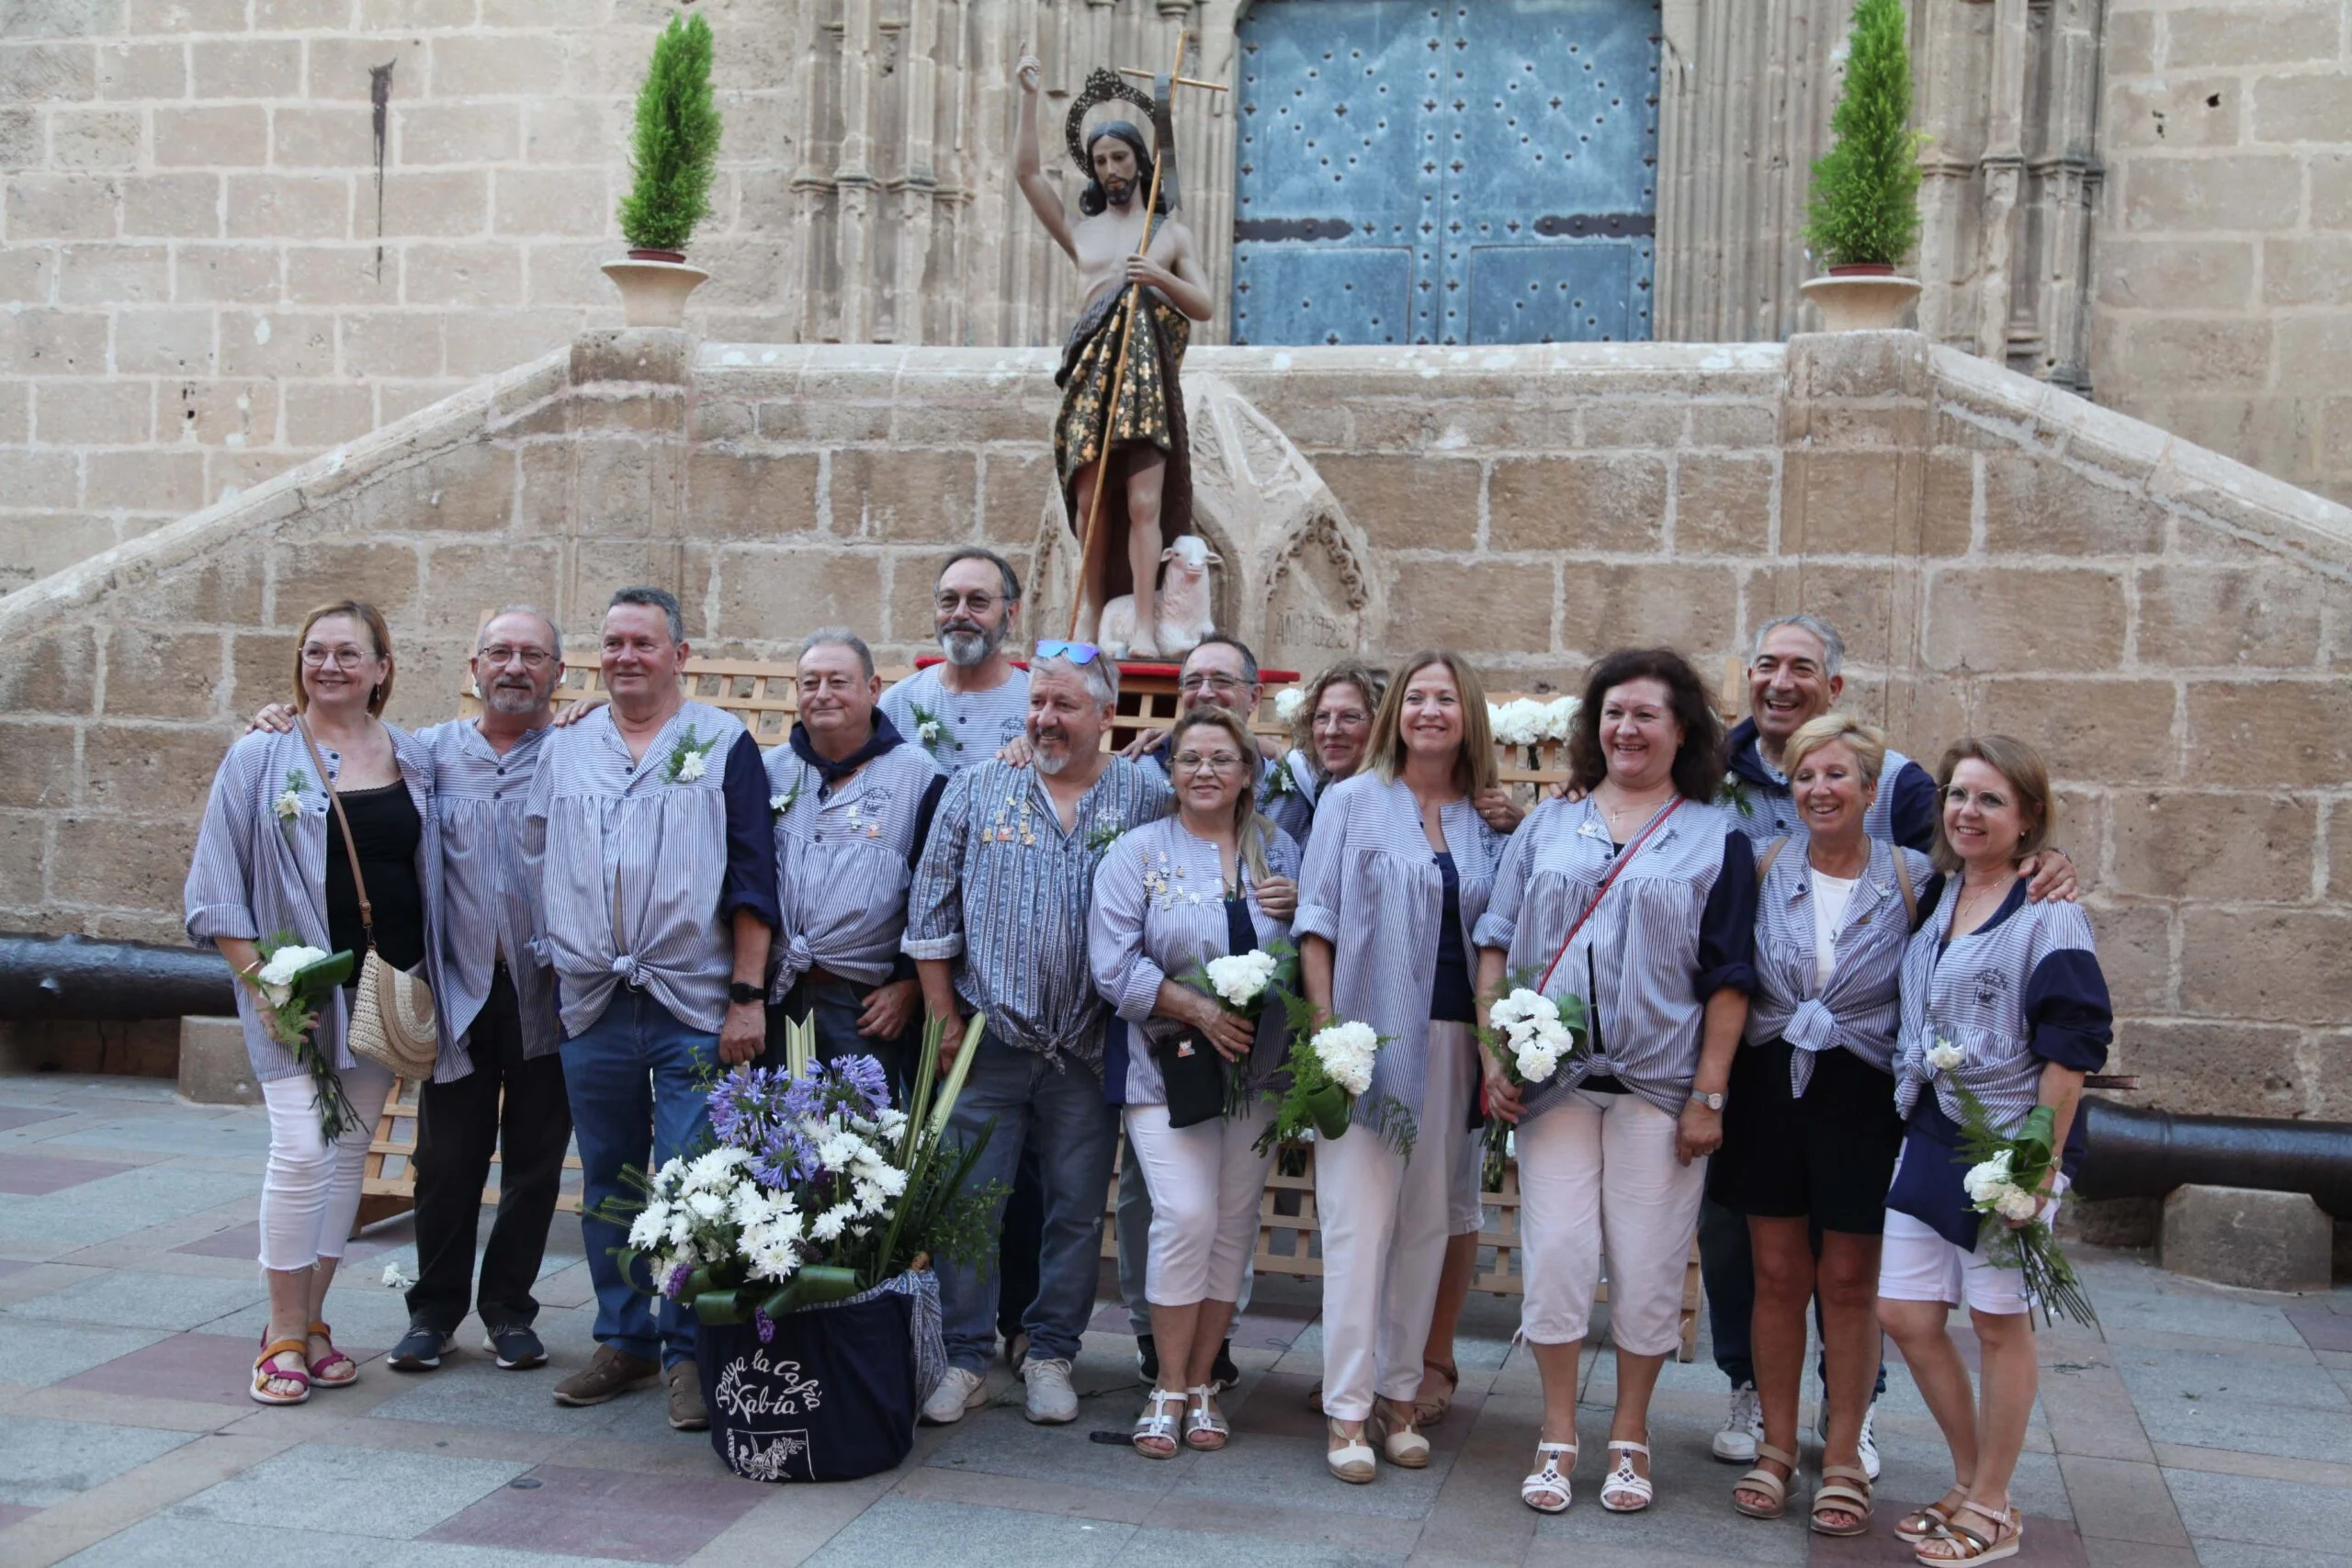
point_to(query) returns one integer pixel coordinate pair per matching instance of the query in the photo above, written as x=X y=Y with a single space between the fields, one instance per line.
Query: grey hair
x=1101 y=675
x=1219 y=639
x=1833 y=646
x=839 y=637
x=1004 y=567
x=555 y=633
x=661 y=599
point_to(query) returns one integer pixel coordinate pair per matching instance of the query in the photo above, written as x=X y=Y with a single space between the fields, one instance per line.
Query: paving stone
x=2120 y=1501
x=119 y=1205
x=207 y=1369
x=10 y=1513
x=176 y=1539
x=14 y=1116
x=601 y=1513
x=444 y=1554
x=125 y=1299
x=204 y=1133
x=894 y=1533
x=375 y=1492
x=34 y=1175
x=2262 y=1513
x=2321 y=1328
x=244 y=1241
x=37 y=1354
x=469 y=1391
x=2160 y=1378
x=1203 y=1549
x=1000 y=1441
x=44 y=1463
x=2208 y=1316
x=2250 y=1427
x=2239 y=1554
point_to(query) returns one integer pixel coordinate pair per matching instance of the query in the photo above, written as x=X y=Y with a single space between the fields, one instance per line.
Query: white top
x=1830 y=896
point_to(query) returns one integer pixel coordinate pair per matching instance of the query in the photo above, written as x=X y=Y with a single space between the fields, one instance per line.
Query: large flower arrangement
x=814 y=1187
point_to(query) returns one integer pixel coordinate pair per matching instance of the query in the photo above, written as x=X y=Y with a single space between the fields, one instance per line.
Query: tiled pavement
x=2205 y=1426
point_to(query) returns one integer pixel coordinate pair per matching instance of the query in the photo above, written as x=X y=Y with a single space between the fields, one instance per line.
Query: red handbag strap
x=1544 y=986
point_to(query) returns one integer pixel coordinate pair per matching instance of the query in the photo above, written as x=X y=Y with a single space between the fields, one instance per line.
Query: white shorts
x=1917 y=1264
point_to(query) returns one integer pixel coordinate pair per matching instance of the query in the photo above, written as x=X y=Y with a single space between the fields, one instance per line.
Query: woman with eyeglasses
x=270 y=863
x=1212 y=880
x=1334 y=727
x=1396 y=877
x=2002 y=997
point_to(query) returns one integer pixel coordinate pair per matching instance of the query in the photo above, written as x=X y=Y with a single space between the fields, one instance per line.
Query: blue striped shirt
x=490 y=880
x=1001 y=887
x=642 y=868
x=1371 y=888
x=1857 y=1010
x=974 y=724
x=1158 y=910
x=843 y=861
x=1676 y=926
x=257 y=876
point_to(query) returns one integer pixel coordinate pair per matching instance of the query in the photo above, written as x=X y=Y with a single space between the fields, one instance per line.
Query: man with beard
x=1149 y=503
x=962 y=711
x=853 y=804
x=498 y=1000
x=996 y=924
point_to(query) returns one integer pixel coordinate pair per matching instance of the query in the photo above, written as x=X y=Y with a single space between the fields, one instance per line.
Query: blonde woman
x=1212 y=879
x=1396 y=877
x=270 y=860
x=2015 y=988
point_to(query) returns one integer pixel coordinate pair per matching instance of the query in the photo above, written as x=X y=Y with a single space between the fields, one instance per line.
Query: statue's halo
x=1101 y=87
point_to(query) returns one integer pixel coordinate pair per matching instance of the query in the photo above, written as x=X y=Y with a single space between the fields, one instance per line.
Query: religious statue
x=1121 y=428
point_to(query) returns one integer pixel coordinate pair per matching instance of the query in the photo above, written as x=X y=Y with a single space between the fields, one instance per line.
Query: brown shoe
x=687 y=1413
x=609 y=1374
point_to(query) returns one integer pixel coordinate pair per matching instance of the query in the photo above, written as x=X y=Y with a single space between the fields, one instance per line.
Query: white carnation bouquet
x=1525 y=721
x=293 y=980
x=1246 y=984
x=2005 y=1180
x=1530 y=1033
x=1330 y=1070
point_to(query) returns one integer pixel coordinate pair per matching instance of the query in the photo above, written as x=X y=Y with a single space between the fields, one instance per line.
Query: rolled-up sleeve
x=1499 y=927
x=1320 y=873
x=217 y=900
x=1124 y=973
x=1727 y=924
x=2070 y=1019
x=934 y=900
x=751 y=836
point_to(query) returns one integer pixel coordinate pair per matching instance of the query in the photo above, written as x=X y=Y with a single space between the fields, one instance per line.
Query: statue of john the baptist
x=1150 y=499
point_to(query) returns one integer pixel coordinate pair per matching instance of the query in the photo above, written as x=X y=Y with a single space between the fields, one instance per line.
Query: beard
x=1049 y=762
x=503 y=697
x=967 y=646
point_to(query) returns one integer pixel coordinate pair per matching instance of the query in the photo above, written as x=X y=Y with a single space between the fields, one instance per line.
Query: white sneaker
x=957 y=1392
x=1870 y=1443
x=1052 y=1401
x=1743 y=1429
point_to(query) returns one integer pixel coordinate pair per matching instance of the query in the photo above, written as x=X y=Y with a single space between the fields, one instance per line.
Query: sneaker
x=1052 y=1401
x=1743 y=1429
x=419 y=1349
x=687 y=1413
x=1147 y=1358
x=1870 y=1443
x=608 y=1374
x=957 y=1392
x=1223 y=1374
x=515 y=1346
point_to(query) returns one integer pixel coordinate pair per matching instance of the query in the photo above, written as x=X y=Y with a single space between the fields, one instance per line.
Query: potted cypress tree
x=1862 y=217
x=672 y=160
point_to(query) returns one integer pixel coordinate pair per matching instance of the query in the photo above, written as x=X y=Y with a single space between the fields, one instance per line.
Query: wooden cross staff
x=1125 y=328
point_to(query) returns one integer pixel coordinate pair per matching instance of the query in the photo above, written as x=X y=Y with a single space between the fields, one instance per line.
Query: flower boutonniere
x=1735 y=795
x=1278 y=783
x=288 y=803
x=929 y=731
x=780 y=805
x=689 y=758
x=1102 y=835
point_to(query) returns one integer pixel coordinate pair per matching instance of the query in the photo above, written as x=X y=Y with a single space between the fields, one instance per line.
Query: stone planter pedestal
x=1860 y=303
x=653 y=293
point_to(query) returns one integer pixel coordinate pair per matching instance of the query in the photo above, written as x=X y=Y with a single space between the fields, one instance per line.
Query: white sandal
x=1157 y=1426
x=1351 y=1462
x=1202 y=1420
x=1550 y=1478
x=1405 y=1448
x=1625 y=1480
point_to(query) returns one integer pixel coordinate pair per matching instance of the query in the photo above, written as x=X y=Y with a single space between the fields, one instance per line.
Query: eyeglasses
x=344 y=657
x=532 y=658
x=1075 y=652
x=1193 y=763
x=1214 y=682
x=978 y=604
x=1345 y=718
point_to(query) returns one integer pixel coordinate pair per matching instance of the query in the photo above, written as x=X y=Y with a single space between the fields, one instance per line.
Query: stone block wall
x=2173 y=629
x=2224 y=301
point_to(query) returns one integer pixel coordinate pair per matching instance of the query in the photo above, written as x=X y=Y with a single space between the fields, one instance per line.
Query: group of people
x=1777 y=936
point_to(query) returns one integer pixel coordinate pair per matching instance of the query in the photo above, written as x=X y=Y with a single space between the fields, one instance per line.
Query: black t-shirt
x=386 y=830
x=1451 y=999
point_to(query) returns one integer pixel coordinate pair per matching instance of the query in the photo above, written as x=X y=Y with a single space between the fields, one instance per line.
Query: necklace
x=1966 y=895
x=1647 y=808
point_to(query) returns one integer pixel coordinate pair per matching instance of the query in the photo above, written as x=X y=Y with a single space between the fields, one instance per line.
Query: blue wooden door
x=1467 y=171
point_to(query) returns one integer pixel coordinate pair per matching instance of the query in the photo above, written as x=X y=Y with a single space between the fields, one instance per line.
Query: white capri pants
x=1385 y=1221
x=310 y=1192
x=1600 y=1169
x=1204 y=1182
x=1465 y=1204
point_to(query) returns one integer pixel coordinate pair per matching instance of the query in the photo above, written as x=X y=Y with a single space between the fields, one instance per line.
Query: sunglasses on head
x=1075 y=652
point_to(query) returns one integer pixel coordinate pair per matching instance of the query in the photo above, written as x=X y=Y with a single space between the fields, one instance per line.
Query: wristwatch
x=742 y=993
x=1712 y=1101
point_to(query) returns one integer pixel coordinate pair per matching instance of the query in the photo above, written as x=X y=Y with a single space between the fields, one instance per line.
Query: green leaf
x=817 y=1285
x=675 y=150
x=1864 y=206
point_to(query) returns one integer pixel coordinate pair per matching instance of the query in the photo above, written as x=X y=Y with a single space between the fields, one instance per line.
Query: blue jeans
x=1058 y=1111
x=837 y=1005
x=636 y=1081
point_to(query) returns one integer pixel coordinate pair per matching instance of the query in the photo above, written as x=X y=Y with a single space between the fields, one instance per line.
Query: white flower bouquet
x=289 y=984
x=1525 y=721
x=1530 y=1033
x=1243 y=984
x=1289 y=702
x=1330 y=1070
x=2005 y=1181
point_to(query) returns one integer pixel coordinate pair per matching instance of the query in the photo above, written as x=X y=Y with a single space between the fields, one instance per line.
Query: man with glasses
x=853 y=802
x=996 y=924
x=497 y=1000
x=963 y=709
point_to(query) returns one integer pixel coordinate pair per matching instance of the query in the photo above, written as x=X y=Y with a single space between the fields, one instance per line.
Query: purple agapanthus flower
x=764 y=1324
x=676 y=1281
x=864 y=1073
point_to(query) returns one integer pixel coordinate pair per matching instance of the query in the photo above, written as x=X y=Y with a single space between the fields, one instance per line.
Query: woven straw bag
x=393 y=1023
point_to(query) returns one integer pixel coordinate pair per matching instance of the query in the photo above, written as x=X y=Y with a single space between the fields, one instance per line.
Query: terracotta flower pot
x=1853 y=299
x=654 y=291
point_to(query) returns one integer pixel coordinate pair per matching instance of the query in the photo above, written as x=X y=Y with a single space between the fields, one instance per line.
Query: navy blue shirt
x=1451 y=997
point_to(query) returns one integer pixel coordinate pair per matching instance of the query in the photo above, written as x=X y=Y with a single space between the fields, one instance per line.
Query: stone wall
x=2224 y=298
x=2173 y=629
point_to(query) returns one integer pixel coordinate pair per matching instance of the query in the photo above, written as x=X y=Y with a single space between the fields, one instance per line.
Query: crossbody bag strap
x=1770 y=855
x=1903 y=880
x=334 y=804
x=1623 y=860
